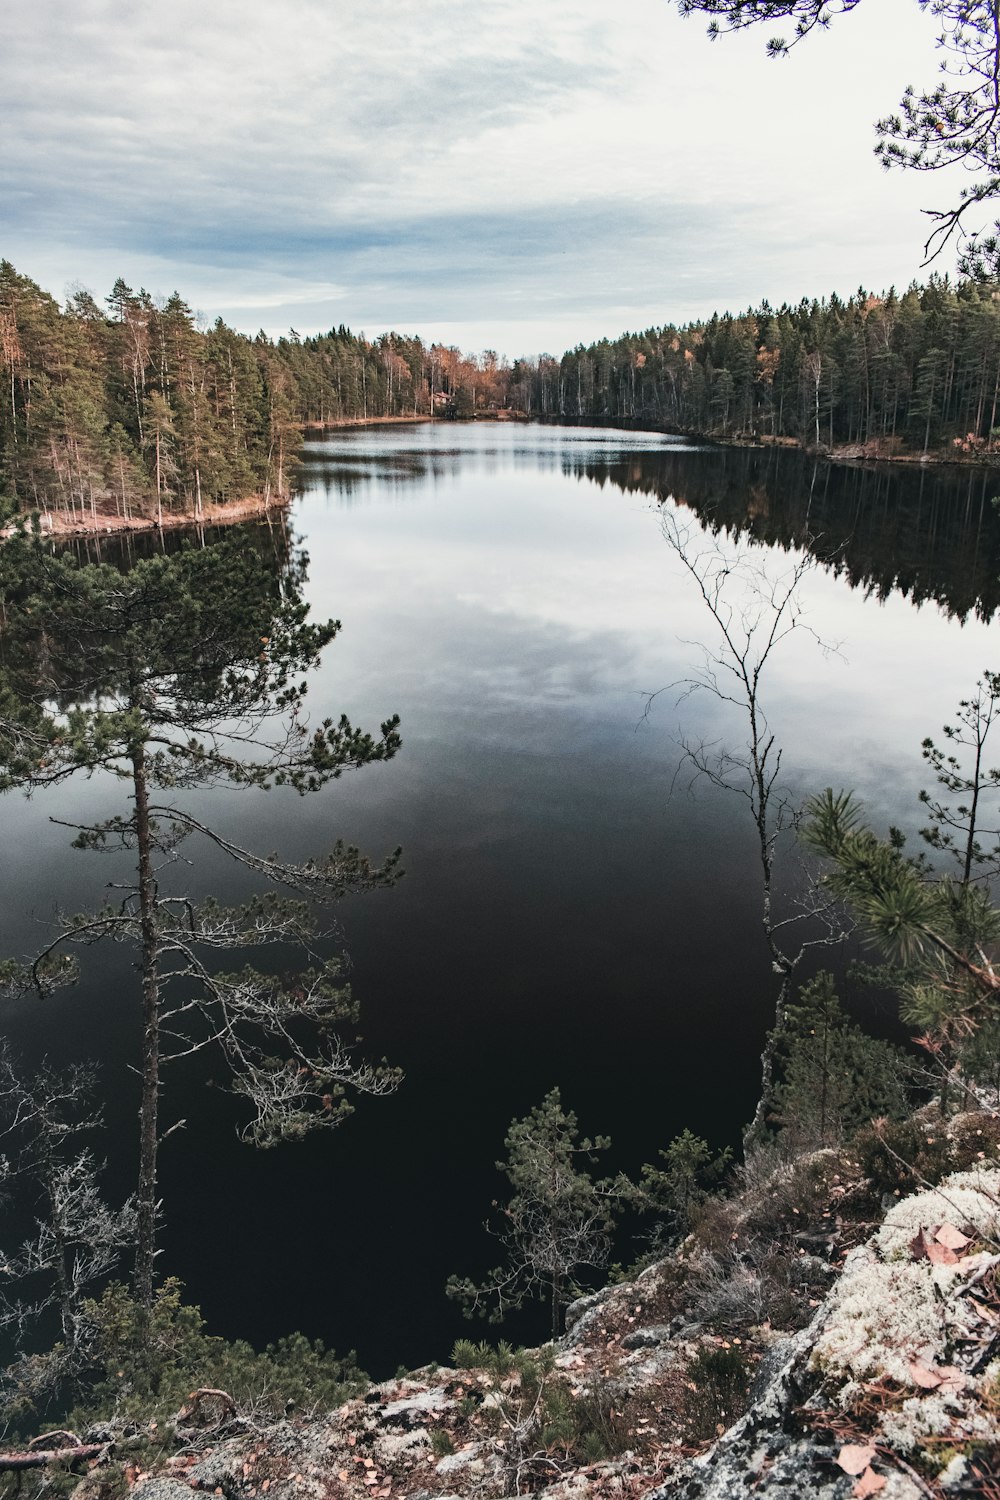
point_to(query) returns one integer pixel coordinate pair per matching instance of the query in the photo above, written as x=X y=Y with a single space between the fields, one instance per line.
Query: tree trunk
x=159 y=484
x=149 y=966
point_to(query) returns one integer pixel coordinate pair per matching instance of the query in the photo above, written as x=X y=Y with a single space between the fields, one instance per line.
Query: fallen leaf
x=940 y=1255
x=918 y=1245
x=869 y=1484
x=923 y=1375
x=853 y=1458
x=953 y=1238
x=952 y=1378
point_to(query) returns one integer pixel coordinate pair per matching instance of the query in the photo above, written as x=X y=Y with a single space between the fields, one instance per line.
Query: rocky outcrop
x=892 y=1389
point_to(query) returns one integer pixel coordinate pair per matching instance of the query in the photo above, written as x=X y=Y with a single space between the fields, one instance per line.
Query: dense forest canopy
x=921 y=368
x=136 y=409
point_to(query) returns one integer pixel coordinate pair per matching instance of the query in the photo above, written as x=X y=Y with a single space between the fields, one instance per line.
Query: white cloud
x=438 y=164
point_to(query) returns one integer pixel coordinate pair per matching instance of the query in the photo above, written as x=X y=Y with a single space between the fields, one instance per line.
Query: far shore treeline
x=131 y=408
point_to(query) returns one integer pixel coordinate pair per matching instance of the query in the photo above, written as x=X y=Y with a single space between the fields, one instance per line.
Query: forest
x=919 y=371
x=135 y=409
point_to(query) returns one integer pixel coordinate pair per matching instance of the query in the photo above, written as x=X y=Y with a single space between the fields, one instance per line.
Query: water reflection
x=273 y=540
x=927 y=533
x=563 y=920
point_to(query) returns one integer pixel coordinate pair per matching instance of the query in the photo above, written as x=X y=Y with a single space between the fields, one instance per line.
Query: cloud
x=440 y=163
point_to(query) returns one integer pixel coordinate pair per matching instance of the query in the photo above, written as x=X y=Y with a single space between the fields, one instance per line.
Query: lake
x=575 y=911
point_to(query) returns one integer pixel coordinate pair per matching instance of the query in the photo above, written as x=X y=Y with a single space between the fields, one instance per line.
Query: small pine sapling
x=557 y=1221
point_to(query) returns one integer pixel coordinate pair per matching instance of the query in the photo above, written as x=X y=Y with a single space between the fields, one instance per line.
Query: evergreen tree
x=557 y=1221
x=189 y=671
x=678 y=1188
x=937 y=932
x=959 y=830
x=834 y=1078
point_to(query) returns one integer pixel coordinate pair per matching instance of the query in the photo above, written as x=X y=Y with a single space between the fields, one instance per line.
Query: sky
x=520 y=177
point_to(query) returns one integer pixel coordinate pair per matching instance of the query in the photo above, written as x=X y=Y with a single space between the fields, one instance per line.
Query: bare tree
x=755 y=611
x=78 y=1239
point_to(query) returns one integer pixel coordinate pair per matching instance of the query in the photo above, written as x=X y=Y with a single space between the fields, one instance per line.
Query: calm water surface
x=572 y=913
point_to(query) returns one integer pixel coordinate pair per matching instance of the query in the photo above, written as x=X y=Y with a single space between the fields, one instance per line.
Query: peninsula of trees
x=134 y=412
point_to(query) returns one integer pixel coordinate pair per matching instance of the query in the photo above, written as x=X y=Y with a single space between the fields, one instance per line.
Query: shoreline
x=859 y=453
x=63 y=524
x=845 y=453
x=336 y=423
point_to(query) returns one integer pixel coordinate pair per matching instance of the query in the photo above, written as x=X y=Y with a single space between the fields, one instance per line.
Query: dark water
x=571 y=913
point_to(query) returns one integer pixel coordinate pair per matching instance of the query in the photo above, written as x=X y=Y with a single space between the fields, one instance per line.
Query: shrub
x=729 y=1295
x=603 y=1420
x=538 y=1420
x=144 y=1367
x=834 y=1078
x=900 y=1156
x=975 y=1138
x=466 y=1355
x=781 y=1193
x=718 y=1380
x=441 y=1442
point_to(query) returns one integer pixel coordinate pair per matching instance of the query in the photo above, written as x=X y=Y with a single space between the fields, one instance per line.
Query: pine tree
x=557 y=1221
x=937 y=932
x=834 y=1078
x=678 y=1188
x=189 y=671
x=959 y=829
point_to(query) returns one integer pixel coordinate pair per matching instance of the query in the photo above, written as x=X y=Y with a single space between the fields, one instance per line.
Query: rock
x=910 y=1313
x=647 y=1367
x=413 y=1410
x=573 y=1487
x=277 y=1454
x=760 y=1455
x=162 y=1489
x=583 y=1313
x=771 y=1363
x=390 y=1446
x=456 y=1463
x=893 y=1315
x=647 y=1338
